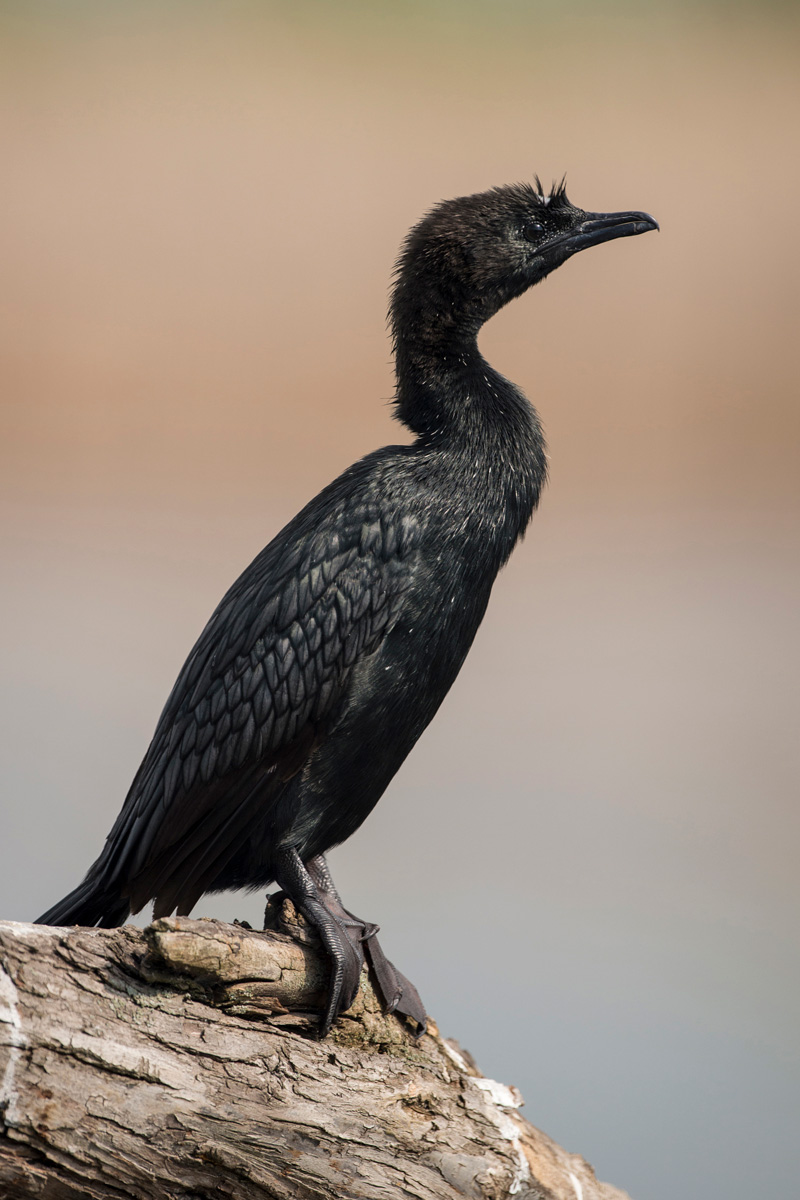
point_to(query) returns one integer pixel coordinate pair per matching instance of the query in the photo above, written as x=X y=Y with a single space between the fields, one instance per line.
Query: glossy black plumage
x=331 y=653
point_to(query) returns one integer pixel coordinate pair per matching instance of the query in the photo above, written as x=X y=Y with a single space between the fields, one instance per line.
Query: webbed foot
x=397 y=993
x=348 y=940
x=346 y=957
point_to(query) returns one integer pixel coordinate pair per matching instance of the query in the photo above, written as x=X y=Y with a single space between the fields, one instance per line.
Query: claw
x=348 y=941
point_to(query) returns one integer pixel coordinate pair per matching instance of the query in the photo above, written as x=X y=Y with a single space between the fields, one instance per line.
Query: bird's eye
x=532 y=231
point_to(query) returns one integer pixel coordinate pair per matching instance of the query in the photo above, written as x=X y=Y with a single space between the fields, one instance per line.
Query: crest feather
x=556 y=197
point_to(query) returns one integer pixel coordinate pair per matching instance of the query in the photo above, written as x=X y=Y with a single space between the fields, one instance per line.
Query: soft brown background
x=202 y=204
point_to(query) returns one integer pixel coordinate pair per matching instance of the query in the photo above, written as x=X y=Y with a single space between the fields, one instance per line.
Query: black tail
x=91 y=903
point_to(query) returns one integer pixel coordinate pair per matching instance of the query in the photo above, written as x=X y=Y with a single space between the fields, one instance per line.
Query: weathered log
x=182 y=1062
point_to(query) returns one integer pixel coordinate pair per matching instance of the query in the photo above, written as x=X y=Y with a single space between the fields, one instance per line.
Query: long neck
x=449 y=395
x=482 y=429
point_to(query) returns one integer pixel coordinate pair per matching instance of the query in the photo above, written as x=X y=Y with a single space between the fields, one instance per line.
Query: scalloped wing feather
x=267 y=672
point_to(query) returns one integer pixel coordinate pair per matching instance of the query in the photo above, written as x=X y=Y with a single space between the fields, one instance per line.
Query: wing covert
x=268 y=668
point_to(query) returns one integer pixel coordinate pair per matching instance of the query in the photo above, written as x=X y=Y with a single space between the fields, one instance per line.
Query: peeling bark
x=182 y=1064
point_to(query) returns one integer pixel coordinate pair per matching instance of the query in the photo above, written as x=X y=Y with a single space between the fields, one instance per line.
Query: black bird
x=333 y=650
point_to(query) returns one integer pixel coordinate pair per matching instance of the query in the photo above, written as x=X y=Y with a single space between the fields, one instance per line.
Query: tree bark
x=182 y=1062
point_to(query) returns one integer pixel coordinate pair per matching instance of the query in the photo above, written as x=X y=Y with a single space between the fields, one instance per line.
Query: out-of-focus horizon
x=203 y=206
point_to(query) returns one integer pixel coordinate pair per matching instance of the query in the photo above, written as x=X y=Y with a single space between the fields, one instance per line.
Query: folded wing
x=260 y=687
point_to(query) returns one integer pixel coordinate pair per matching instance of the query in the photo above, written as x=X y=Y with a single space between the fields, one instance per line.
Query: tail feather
x=91 y=903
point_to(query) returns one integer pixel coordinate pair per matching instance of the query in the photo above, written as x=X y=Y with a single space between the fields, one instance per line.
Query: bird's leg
x=320 y=872
x=395 y=990
x=347 y=959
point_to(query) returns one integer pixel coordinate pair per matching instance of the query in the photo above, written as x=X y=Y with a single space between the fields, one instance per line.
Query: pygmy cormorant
x=333 y=650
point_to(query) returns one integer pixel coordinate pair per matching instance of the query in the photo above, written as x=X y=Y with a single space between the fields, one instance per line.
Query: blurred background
x=589 y=863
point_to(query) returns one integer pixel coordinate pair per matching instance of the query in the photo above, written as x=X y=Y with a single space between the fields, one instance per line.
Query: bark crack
x=182 y=1064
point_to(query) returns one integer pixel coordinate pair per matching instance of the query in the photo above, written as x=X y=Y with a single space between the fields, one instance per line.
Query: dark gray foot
x=397 y=993
x=346 y=957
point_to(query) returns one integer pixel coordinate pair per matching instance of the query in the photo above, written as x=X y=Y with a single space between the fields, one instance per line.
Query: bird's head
x=470 y=256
